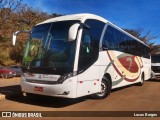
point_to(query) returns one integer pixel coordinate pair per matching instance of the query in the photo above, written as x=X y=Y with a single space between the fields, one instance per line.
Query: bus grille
x=41 y=81
x=156 y=69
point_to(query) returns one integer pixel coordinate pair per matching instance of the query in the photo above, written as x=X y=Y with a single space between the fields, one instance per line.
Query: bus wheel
x=105 y=89
x=142 y=80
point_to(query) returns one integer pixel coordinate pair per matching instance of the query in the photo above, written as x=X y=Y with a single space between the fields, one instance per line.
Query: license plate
x=39 y=89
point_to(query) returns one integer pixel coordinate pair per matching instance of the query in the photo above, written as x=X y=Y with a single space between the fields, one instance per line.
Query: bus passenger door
x=88 y=72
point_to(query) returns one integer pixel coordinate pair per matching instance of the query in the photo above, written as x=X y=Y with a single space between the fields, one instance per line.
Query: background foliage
x=16 y=16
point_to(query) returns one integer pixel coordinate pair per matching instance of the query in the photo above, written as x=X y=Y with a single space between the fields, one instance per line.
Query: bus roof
x=83 y=16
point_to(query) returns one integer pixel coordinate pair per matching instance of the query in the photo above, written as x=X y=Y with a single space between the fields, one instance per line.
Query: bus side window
x=109 y=39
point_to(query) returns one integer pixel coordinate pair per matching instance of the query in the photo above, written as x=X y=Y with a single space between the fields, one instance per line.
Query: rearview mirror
x=14 y=37
x=73 y=32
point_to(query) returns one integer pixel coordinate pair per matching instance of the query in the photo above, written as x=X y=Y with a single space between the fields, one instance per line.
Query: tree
x=17 y=16
x=146 y=38
x=6 y=8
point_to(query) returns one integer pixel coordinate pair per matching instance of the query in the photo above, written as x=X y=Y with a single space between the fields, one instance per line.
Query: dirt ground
x=131 y=98
x=9 y=81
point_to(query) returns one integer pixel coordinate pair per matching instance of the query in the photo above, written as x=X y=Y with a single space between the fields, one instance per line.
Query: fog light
x=66 y=92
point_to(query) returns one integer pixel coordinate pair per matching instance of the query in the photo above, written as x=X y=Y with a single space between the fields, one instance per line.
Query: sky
x=130 y=14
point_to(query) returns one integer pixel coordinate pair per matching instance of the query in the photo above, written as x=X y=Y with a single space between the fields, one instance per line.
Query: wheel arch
x=107 y=75
x=143 y=75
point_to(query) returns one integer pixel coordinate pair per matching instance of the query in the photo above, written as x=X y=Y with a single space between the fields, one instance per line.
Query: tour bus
x=82 y=54
x=155 y=66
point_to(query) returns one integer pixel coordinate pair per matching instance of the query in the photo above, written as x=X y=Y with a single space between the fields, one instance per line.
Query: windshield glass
x=49 y=48
x=156 y=59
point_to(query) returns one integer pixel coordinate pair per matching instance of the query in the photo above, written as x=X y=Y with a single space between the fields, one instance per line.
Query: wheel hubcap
x=103 y=87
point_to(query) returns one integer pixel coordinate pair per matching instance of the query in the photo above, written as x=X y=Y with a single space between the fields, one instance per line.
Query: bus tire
x=105 y=89
x=142 y=80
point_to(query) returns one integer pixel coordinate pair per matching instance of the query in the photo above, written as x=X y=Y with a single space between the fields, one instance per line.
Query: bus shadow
x=122 y=88
x=9 y=91
x=53 y=102
x=47 y=101
x=153 y=80
x=128 y=86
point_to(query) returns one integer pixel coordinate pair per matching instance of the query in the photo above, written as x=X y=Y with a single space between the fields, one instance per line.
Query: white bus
x=82 y=54
x=155 y=65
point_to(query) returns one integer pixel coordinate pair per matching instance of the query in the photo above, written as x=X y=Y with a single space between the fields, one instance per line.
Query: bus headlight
x=65 y=76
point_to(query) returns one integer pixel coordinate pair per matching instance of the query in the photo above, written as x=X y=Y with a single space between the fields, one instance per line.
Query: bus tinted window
x=155 y=59
x=89 y=48
x=109 y=38
x=116 y=40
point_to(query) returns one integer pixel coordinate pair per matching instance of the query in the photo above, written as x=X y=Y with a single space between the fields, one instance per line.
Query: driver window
x=86 y=51
x=89 y=48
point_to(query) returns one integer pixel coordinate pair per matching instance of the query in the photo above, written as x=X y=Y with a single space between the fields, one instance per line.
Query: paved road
x=132 y=98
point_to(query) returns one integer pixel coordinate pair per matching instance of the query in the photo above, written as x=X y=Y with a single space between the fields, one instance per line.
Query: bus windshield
x=48 y=48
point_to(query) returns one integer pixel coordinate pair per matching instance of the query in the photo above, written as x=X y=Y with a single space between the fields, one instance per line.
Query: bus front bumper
x=65 y=90
x=155 y=75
